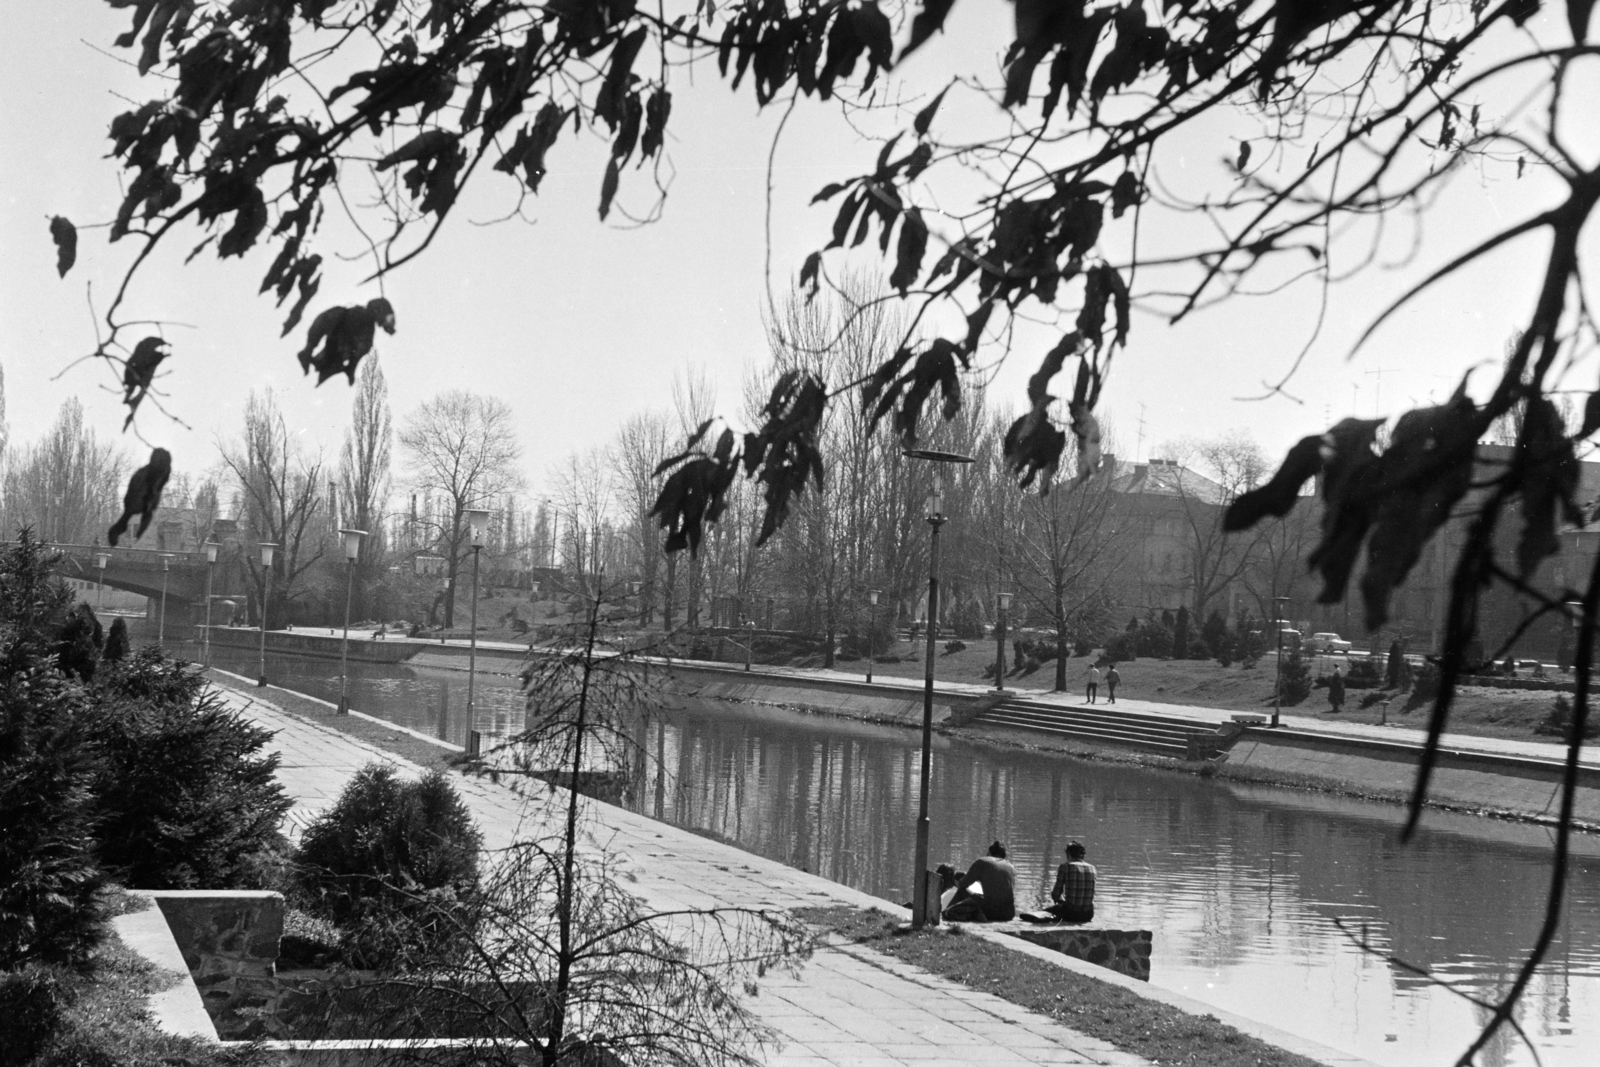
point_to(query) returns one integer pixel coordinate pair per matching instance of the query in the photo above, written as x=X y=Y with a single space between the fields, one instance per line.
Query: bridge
x=139 y=570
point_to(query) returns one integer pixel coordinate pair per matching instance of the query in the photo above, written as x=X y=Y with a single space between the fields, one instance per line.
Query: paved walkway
x=846 y=1007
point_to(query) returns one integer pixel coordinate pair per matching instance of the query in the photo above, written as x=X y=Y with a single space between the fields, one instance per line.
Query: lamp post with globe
x=478 y=527
x=267 y=548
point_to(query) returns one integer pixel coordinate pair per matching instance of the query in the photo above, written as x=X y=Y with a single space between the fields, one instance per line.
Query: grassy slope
x=1148 y=1028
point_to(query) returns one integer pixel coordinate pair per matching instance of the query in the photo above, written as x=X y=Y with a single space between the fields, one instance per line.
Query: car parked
x=1326 y=644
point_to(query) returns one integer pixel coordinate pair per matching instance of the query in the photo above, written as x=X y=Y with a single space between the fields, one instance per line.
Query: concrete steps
x=1179 y=738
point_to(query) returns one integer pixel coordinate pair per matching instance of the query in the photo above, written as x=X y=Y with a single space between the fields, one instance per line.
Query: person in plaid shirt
x=1074 y=889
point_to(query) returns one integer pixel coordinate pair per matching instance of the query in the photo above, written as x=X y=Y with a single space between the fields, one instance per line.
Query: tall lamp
x=100 y=561
x=161 y=627
x=872 y=630
x=936 y=518
x=267 y=548
x=211 y=565
x=1004 y=601
x=478 y=527
x=352 y=549
x=1277 y=679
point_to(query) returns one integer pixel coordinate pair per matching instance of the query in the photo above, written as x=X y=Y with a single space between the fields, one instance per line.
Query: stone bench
x=1124 y=951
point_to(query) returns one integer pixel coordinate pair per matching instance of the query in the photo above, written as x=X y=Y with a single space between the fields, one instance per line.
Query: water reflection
x=1246 y=888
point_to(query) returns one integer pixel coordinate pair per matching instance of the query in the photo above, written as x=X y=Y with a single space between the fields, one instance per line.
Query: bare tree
x=463 y=448
x=66 y=486
x=640 y=446
x=364 y=477
x=585 y=493
x=1232 y=465
x=279 y=486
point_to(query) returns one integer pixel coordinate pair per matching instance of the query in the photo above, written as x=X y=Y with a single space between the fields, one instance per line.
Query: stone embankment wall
x=1124 y=951
x=229 y=940
x=1462 y=779
x=831 y=696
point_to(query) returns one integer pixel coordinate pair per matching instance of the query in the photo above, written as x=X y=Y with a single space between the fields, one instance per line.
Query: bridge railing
x=120 y=554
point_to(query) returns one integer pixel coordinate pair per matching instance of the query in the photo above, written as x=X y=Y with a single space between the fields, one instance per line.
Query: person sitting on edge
x=994 y=900
x=1074 y=889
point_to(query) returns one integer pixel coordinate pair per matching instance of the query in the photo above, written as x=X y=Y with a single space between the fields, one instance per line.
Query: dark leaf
x=139 y=372
x=340 y=337
x=1547 y=468
x=873 y=30
x=1303 y=462
x=143 y=496
x=808 y=274
x=656 y=112
x=1126 y=193
x=829 y=191
x=1244 y=157
x=925 y=117
x=65 y=236
x=1591 y=416
x=928 y=20
x=912 y=246
x=608 y=187
x=1578 y=12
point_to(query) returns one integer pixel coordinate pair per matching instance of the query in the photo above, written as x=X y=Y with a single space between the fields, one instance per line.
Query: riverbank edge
x=1288 y=759
x=897 y=707
x=408 y=744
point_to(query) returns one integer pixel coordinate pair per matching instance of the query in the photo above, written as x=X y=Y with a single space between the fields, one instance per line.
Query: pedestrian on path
x=1094 y=683
x=1112 y=678
x=1336 y=691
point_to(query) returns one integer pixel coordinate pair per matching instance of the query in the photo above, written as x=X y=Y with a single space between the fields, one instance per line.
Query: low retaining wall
x=858 y=700
x=323 y=645
x=1124 y=951
x=229 y=940
x=1462 y=779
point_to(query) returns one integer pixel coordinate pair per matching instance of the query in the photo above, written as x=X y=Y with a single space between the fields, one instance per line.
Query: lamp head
x=267 y=549
x=166 y=561
x=477 y=525
x=872 y=597
x=1005 y=601
x=211 y=551
x=101 y=559
x=352 y=543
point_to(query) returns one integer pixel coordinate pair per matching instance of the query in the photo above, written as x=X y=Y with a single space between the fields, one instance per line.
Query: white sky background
x=579 y=324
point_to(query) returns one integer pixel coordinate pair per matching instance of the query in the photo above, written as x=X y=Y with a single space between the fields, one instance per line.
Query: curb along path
x=845 y=1007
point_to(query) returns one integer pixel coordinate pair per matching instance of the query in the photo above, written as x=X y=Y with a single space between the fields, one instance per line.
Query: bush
x=184 y=796
x=1296 y=678
x=1180 y=634
x=116 y=642
x=967 y=619
x=1154 y=639
x=1122 y=647
x=394 y=865
x=1559 y=722
x=952 y=647
x=1363 y=674
x=33 y=1007
x=1425 y=687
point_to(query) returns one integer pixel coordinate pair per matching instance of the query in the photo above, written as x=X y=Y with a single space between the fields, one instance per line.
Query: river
x=1297 y=909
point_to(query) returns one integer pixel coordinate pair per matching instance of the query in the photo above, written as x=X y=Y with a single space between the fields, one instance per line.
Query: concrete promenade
x=846 y=1007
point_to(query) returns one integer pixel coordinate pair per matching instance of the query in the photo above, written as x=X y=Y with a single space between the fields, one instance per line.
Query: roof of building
x=1164 y=477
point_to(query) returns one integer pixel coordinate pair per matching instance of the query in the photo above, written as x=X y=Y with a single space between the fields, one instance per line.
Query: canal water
x=1296 y=909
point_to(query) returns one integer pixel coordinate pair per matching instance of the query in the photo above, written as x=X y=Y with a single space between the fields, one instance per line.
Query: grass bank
x=1148 y=1028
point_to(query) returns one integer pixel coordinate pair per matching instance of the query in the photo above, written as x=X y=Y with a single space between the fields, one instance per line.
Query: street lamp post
x=352 y=549
x=749 y=644
x=872 y=630
x=267 y=548
x=478 y=524
x=161 y=627
x=1004 y=600
x=936 y=518
x=100 y=561
x=1277 y=679
x=211 y=565
x=638 y=590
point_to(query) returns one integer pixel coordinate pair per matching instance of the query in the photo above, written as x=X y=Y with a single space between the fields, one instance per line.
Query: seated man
x=1074 y=889
x=987 y=892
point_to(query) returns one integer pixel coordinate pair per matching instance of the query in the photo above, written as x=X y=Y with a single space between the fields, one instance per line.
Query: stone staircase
x=1106 y=723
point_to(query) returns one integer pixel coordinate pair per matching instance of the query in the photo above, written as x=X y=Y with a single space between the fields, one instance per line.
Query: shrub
x=952 y=647
x=1363 y=674
x=394 y=864
x=116 y=642
x=33 y=1006
x=184 y=795
x=1296 y=678
x=1425 y=687
x=1559 y=722
x=1180 y=634
x=967 y=619
x=78 y=643
x=1082 y=646
x=1122 y=647
x=1154 y=639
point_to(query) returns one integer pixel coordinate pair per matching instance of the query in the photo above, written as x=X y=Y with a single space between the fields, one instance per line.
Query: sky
x=579 y=324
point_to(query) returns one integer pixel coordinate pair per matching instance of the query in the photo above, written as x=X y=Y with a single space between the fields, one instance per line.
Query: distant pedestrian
x=1112 y=678
x=1336 y=691
x=1093 y=685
